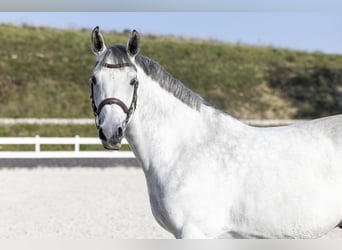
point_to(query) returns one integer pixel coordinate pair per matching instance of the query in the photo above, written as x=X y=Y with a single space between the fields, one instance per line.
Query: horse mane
x=160 y=75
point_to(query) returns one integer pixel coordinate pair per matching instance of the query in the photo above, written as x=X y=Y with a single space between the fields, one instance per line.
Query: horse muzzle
x=114 y=142
x=110 y=146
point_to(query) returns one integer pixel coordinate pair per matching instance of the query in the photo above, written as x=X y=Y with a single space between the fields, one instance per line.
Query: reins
x=113 y=100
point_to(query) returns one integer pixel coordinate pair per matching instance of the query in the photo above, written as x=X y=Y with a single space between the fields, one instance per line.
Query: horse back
x=329 y=127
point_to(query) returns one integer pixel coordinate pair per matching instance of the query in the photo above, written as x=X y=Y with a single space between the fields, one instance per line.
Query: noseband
x=113 y=100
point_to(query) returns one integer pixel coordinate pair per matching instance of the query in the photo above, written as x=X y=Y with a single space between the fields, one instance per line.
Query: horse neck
x=162 y=125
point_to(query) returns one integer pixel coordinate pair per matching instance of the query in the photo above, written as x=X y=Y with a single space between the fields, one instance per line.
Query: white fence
x=47 y=121
x=87 y=121
x=75 y=141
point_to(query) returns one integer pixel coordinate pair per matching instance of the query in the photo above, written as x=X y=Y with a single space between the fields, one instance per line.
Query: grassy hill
x=45 y=72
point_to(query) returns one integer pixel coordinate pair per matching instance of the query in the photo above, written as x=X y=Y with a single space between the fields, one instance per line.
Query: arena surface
x=78 y=203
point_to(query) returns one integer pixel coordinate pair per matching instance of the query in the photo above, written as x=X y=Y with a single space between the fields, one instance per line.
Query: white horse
x=208 y=174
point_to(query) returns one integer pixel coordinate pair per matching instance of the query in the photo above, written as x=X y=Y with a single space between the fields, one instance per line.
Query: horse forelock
x=116 y=54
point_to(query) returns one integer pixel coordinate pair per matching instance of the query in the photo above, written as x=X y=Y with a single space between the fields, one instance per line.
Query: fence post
x=77 y=143
x=37 y=144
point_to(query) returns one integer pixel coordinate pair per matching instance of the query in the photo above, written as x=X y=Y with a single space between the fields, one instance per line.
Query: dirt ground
x=76 y=203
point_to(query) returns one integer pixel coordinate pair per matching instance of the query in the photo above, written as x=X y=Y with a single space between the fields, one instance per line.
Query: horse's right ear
x=97 y=42
x=133 y=44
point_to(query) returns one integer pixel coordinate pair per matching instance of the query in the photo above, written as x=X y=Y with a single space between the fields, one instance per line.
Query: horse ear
x=133 y=43
x=97 y=41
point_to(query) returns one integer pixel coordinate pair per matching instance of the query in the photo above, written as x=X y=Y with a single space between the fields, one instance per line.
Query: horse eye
x=133 y=81
x=93 y=80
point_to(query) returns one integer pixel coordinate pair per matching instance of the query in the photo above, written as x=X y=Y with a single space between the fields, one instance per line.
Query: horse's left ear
x=133 y=43
x=97 y=42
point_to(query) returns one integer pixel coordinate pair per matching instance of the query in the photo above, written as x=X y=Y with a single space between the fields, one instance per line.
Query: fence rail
x=75 y=141
x=46 y=121
x=87 y=121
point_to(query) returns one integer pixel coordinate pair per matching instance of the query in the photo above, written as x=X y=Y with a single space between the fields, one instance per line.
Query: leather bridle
x=113 y=100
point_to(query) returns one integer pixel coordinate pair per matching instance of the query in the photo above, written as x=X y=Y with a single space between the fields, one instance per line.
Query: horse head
x=114 y=87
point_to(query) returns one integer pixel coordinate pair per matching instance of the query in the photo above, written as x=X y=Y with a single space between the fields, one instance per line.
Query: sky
x=307 y=31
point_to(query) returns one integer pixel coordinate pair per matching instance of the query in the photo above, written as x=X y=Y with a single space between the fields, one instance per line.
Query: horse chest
x=187 y=198
x=158 y=202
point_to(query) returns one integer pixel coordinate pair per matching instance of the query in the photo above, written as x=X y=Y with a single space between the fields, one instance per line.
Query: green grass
x=45 y=72
x=22 y=130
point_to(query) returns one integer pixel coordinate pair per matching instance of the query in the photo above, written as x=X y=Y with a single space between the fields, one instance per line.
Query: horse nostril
x=120 y=132
x=101 y=135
